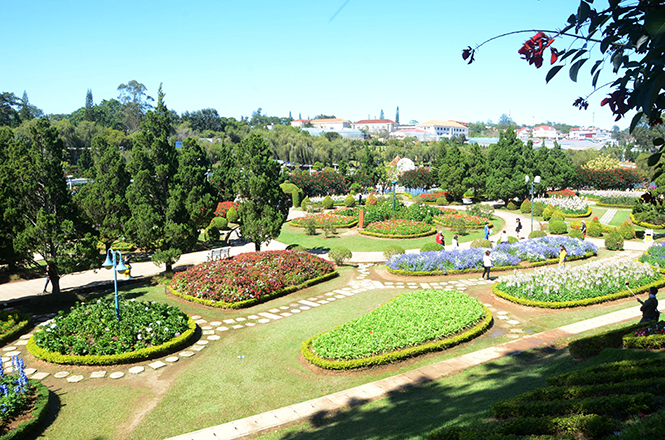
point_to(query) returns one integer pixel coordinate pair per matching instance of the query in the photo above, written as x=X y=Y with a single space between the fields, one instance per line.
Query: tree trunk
x=55 y=279
x=257 y=246
x=169 y=267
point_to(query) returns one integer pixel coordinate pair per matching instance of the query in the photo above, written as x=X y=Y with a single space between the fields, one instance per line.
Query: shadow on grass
x=415 y=411
x=54 y=405
x=319 y=250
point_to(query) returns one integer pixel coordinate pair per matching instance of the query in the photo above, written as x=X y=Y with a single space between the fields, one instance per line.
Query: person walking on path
x=518 y=228
x=440 y=239
x=455 y=242
x=487 y=264
x=48 y=277
x=583 y=229
x=649 y=307
x=487 y=231
x=563 y=256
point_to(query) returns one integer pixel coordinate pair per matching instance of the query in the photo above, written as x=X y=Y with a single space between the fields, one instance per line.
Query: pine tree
x=397 y=115
x=264 y=205
x=381 y=116
x=476 y=169
x=506 y=168
x=224 y=174
x=452 y=170
x=89 y=107
x=10 y=216
x=192 y=180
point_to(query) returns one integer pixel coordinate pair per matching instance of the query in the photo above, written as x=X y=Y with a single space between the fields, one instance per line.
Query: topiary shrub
x=339 y=255
x=349 y=201
x=536 y=234
x=626 y=230
x=576 y=233
x=442 y=201
x=232 y=215
x=538 y=208
x=310 y=226
x=211 y=233
x=559 y=215
x=511 y=206
x=429 y=247
x=525 y=207
x=328 y=202
x=220 y=223
x=594 y=229
x=557 y=227
x=392 y=250
x=481 y=243
x=296 y=197
x=547 y=213
x=371 y=200
x=614 y=241
x=305 y=203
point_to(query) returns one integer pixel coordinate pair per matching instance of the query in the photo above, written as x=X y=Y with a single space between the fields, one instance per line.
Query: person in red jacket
x=440 y=239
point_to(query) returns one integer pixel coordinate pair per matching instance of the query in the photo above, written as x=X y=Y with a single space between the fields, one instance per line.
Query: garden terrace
x=397 y=228
x=340 y=219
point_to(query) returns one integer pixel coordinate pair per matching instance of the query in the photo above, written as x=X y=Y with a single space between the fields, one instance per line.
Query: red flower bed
x=398 y=227
x=562 y=193
x=337 y=219
x=449 y=217
x=249 y=276
x=223 y=208
x=431 y=197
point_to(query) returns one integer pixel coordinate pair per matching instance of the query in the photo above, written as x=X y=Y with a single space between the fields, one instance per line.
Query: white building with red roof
x=545 y=132
x=330 y=124
x=445 y=129
x=300 y=123
x=376 y=125
x=417 y=133
x=524 y=133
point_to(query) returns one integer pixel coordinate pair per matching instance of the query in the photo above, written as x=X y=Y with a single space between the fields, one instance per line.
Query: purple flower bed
x=537 y=249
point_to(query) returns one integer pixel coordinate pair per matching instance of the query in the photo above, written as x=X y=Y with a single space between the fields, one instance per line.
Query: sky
x=348 y=58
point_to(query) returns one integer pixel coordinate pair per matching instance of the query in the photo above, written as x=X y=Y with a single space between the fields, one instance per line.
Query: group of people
x=440 y=239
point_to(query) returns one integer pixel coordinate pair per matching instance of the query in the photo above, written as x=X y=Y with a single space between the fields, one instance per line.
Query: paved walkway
x=608 y=216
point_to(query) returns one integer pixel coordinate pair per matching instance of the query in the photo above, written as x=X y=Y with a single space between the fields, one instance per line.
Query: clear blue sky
x=290 y=56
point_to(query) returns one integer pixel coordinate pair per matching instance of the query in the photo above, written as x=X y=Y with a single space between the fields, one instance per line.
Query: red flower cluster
x=223 y=208
x=321 y=183
x=562 y=193
x=417 y=178
x=533 y=49
x=251 y=275
x=618 y=178
x=619 y=102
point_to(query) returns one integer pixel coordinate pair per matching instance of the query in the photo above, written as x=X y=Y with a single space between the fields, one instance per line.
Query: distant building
x=589 y=133
x=330 y=124
x=300 y=123
x=417 y=133
x=346 y=133
x=445 y=129
x=524 y=133
x=376 y=125
x=545 y=132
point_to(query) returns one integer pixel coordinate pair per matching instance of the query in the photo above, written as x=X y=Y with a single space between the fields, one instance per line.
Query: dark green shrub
x=547 y=212
x=481 y=243
x=296 y=196
x=627 y=231
x=576 y=233
x=558 y=214
x=232 y=215
x=525 y=207
x=431 y=247
x=590 y=346
x=349 y=201
x=536 y=234
x=557 y=227
x=295 y=247
x=310 y=226
x=339 y=255
x=511 y=206
x=594 y=229
x=328 y=202
x=441 y=201
x=538 y=208
x=305 y=203
x=614 y=241
x=392 y=250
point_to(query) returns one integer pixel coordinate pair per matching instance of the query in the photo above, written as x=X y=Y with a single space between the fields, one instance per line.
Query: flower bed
x=562 y=193
x=650 y=336
x=432 y=196
x=538 y=251
x=397 y=228
x=395 y=330
x=645 y=224
x=12 y=323
x=450 y=216
x=223 y=208
x=90 y=333
x=571 y=206
x=655 y=255
x=250 y=278
x=340 y=219
x=578 y=286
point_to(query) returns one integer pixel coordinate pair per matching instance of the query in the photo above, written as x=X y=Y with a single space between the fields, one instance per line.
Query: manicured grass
x=621 y=216
x=595 y=212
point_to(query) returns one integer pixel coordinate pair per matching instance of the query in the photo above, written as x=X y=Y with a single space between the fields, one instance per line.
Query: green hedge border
x=570 y=304
x=651 y=342
x=438 y=222
x=16 y=330
x=39 y=412
x=251 y=302
x=588 y=213
x=374 y=234
x=609 y=205
x=143 y=354
x=399 y=355
x=645 y=225
x=337 y=225
x=494 y=269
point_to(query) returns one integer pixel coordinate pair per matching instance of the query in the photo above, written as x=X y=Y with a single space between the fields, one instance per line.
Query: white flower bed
x=569 y=205
x=614 y=193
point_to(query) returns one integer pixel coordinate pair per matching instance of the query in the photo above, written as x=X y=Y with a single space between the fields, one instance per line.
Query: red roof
x=376 y=121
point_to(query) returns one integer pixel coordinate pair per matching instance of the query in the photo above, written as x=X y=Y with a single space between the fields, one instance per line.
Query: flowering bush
x=451 y=216
x=619 y=178
x=399 y=227
x=657 y=328
x=320 y=220
x=15 y=392
x=249 y=276
x=569 y=205
x=418 y=178
x=320 y=183
x=223 y=208
x=92 y=328
x=432 y=196
x=577 y=283
x=562 y=193
x=633 y=193
x=508 y=254
x=654 y=255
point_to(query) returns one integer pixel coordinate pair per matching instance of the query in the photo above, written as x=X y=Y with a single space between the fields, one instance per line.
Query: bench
x=219 y=253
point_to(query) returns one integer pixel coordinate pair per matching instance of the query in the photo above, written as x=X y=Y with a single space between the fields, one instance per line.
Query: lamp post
x=535 y=180
x=114 y=261
x=394 y=182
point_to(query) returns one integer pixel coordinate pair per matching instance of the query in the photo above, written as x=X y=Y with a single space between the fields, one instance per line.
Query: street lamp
x=536 y=180
x=114 y=261
x=394 y=182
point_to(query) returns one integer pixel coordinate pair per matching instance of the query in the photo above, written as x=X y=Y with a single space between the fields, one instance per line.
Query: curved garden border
x=494 y=269
x=587 y=214
x=398 y=355
x=438 y=222
x=570 y=304
x=609 y=205
x=337 y=225
x=645 y=225
x=16 y=330
x=39 y=412
x=113 y=359
x=432 y=231
x=252 y=302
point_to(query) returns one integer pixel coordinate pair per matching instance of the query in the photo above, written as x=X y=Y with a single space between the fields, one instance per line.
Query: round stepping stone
x=292 y=311
x=216 y=323
x=136 y=370
x=250 y=324
x=235 y=327
x=513 y=322
x=186 y=354
x=502 y=313
x=263 y=321
x=172 y=359
x=207 y=327
x=213 y=337
x=10 y=348
x=97 y=374
x=116 y=375
x=61 y=374
x=243 y=319
x=75 y=378
x=304 y=308
x=201 y=342
x=12 y=353
x=29 y=371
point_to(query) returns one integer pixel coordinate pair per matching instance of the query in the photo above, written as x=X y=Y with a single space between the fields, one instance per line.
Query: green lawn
x=621 y=216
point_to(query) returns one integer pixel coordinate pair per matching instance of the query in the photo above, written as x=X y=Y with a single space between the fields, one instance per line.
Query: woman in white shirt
x=487 y=264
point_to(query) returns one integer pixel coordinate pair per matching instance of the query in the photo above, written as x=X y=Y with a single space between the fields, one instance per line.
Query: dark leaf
x=658 y=141
x=596 y=65
x=654 y=159
x=553 y=71
x=635 y=121
x=583 y=12
x=579 y=54
x=595 y=79
x=568 y=53
x=654 y=23
x=575 y=68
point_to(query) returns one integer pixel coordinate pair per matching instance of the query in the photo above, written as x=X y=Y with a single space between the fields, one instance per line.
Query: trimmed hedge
x=494 y=269
x=587 y=214
x=113 y=359
x=651 y=342
x=375 y=234
x=398 y=355
x=593 y=345
x=15 y=331
x=580 y=303
x=645 y=225
x=39 y=412
x=609 y=205
x=254 y=301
